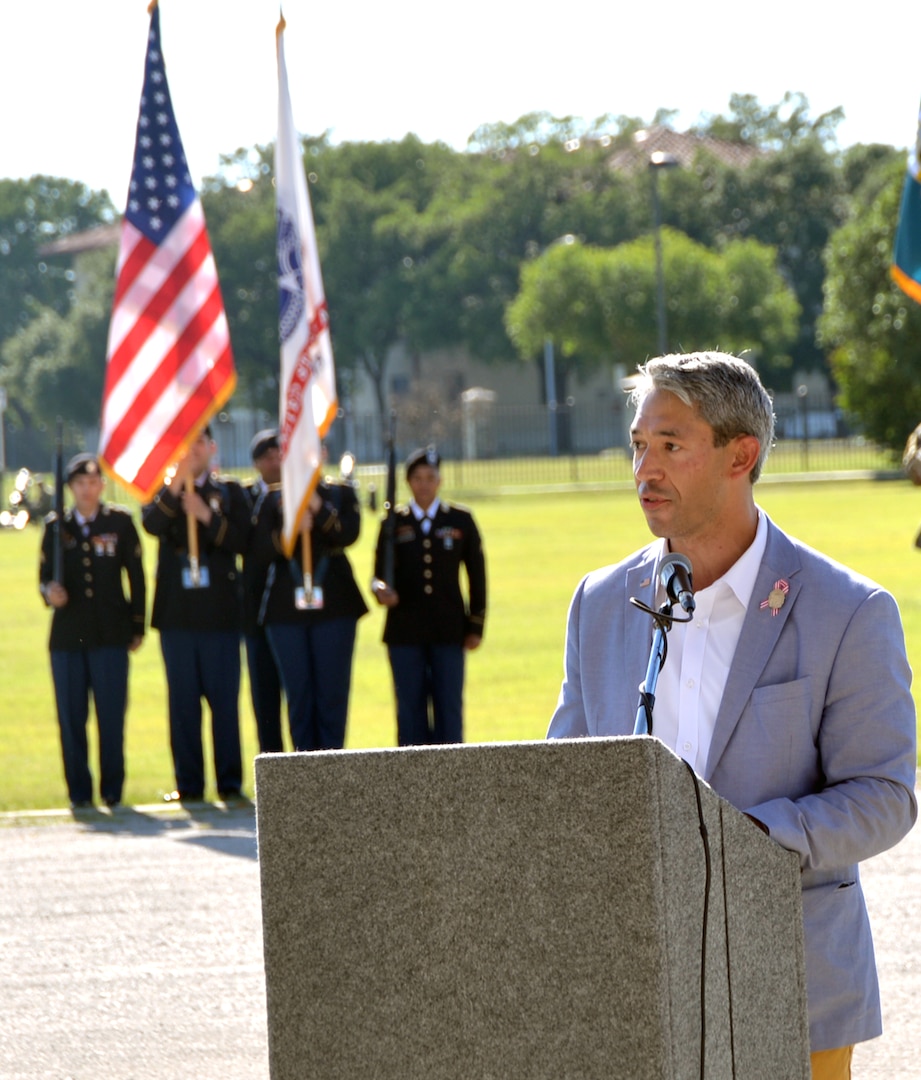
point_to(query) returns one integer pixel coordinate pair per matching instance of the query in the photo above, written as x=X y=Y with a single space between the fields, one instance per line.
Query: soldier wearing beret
x=264 y=677
x=429 y=626
x=200 y=622
x=94 y=626
x=313 y=645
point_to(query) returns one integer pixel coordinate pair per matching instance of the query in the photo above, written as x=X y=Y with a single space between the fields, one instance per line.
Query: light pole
x=660 y=160
x=550 y=385
x=550 y=369
x=802 y=392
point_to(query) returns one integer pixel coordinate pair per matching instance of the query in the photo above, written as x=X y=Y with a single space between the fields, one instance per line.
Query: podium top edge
x=541 y=745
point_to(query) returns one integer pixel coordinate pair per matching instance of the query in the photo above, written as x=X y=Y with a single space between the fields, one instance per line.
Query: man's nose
x=645 y=464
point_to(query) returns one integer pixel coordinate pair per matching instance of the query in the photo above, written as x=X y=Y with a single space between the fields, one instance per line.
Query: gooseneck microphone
x=675 y=576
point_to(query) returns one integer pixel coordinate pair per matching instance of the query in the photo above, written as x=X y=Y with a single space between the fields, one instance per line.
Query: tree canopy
x=428 y=248
x=871 y=328
x=599 y=304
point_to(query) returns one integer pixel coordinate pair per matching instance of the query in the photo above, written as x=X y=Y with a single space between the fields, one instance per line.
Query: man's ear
x=746 y=449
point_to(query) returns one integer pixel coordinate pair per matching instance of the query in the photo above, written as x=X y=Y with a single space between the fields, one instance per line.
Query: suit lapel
x=760 y=631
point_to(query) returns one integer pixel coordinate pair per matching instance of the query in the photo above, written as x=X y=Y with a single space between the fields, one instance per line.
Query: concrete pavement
x=131 y=948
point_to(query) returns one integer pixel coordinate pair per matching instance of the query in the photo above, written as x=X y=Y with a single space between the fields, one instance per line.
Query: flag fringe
x=907 y=284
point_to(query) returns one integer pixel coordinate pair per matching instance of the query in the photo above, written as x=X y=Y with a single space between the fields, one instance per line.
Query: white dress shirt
x=699 y=655
x=426 y=517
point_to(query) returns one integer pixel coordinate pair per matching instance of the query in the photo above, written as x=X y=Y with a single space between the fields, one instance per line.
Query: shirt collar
x=741 y=576
x=419 y=513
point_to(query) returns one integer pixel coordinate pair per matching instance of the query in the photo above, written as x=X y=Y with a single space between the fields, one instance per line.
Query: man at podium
x=787 y=688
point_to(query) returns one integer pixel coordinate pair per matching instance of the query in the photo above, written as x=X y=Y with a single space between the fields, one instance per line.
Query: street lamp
x=550 y=368
x=802 y=392
x=657 y=161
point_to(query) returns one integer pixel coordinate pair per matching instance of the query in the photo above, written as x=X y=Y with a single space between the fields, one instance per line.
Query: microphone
x=675 y=576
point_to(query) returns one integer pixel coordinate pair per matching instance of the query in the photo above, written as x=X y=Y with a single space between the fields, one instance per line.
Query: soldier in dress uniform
x=200 y=622
x=313 y=637
x=264 y=676
x=94 y=626
x=429 y=627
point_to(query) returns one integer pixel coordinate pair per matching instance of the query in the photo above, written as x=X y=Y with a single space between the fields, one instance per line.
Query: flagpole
x=307 y=562
x=192 y=532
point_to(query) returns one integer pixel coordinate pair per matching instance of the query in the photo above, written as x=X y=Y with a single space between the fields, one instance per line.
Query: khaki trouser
x=832 y=1064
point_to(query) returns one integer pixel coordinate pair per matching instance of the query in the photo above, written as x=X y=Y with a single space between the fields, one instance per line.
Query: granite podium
x=522 y=911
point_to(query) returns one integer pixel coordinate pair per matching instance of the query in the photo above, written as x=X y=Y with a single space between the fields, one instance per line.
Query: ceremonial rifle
x=390 y=503
x=58 y=562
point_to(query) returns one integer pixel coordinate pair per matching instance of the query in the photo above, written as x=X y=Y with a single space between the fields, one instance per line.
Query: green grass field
x=537 y=548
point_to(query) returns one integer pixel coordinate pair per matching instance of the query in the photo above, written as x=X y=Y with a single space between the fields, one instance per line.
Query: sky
x=71 y=72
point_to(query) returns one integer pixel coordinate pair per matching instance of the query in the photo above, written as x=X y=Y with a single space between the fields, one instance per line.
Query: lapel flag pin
x=776 y=597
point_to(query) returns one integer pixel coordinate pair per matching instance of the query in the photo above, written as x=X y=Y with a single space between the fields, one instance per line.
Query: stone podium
x=523 y=911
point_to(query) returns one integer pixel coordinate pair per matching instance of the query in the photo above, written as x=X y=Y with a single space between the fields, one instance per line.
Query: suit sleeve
x=866 y=747
x=568 y=720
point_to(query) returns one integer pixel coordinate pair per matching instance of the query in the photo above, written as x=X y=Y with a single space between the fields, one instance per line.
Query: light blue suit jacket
x=815 y=737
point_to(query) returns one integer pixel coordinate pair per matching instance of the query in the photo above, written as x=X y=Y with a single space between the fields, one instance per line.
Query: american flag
x=169 y=365
x=308 y=403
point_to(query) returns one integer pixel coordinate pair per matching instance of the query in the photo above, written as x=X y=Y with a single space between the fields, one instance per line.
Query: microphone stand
x=657 y=653
x=664 y=620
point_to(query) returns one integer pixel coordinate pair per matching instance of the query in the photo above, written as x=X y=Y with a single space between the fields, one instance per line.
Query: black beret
x=82 y=465
x=428 y=456
x=262 y=441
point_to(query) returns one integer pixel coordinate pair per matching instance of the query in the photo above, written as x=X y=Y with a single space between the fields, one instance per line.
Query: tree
x=771 y=127
x=514 y=203
x=33 y=213
x=791 y=197
x=370 y=199
x=240 y=211
x=871 y=327
x=55 y=365
x=367 y=199
x=599 y=305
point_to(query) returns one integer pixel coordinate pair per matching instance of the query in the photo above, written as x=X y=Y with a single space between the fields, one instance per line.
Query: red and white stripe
x=169 y=362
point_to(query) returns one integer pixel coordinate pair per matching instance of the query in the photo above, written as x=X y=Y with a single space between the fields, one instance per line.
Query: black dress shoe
x=234 y=798
x=82 y=804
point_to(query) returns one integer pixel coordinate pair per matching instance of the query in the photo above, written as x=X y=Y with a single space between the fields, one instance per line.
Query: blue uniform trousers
x=203 y=664
x=104 y=672
x=265 y=689
x=429 y=685
x=315 y=660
